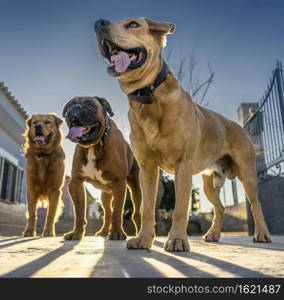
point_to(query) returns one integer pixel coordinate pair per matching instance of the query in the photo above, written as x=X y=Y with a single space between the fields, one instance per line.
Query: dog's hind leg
x=49 y=227
x=247 y=175
x=212 y=193
x=106 y=204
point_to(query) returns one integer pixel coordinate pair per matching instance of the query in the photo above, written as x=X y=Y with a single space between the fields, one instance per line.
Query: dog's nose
x=76 y=106
x=73 y=114
x=101 y=23
x=75 y=109
x=38 y=128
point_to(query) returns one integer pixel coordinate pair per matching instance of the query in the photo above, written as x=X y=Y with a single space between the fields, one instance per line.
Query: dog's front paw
x=211 y=237
x=73 y=235
x=177 y=245
x=261 y=237
x=29 y=232
x=117 y=234
x=48 y=233
x=139 y=242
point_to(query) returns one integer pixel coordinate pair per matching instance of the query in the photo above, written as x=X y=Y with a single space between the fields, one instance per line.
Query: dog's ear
x=106 y=105
x=160 y=30
x=29 y=121
x=162 y=27
x=58 y=121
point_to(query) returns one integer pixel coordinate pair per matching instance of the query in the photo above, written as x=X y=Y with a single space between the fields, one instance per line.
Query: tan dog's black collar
x=144 y=95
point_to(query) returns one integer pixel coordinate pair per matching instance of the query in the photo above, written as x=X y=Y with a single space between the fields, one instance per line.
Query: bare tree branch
x=192 y=65
x=208 y=83
x=197 y=89
x=202 y=85
x=181 y=74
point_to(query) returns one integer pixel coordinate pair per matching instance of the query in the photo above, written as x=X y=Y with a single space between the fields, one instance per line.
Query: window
x=11 y=179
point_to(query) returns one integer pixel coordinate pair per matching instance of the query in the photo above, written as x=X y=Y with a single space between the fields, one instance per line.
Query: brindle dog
x=104 y=159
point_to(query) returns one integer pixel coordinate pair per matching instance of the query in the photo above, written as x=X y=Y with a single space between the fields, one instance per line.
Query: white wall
x=12 y=126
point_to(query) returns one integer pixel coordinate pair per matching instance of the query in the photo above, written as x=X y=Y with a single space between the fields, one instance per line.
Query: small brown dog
x=104 y=159
x=45 y=169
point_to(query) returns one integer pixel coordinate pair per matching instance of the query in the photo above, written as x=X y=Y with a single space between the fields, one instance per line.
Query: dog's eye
x=47 y=122
x=132 y=24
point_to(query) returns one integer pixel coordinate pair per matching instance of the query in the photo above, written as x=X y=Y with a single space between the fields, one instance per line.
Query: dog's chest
x=151 y=132
x=42 y=167
x=156 y=140
x=90 y=170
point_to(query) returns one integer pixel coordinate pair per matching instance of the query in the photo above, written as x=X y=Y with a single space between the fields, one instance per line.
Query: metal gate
x=266 y=126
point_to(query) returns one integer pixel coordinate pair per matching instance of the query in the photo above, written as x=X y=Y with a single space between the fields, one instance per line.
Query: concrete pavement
x=233 y=256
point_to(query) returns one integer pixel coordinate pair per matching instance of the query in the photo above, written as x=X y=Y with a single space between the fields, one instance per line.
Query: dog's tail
x=258 y=149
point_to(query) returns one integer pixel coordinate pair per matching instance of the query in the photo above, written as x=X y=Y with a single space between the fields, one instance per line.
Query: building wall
x=12 y=219
x=12 y=126
x=11 y=146
x=271 y=197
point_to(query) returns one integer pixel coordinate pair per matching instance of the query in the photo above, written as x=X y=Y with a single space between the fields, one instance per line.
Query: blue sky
x=48 y=51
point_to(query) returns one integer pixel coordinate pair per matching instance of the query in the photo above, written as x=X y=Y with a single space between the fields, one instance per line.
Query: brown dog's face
x=132 y=47
x=43 y=130
x=86 y=119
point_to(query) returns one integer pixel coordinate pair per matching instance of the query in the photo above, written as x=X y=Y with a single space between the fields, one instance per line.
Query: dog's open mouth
x=41 y=139
x=122 y=60
x=84 y=134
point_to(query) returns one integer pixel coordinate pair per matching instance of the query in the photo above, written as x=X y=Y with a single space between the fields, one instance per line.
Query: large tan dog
x=170 y=131
x=45 y=169
x=103 y=158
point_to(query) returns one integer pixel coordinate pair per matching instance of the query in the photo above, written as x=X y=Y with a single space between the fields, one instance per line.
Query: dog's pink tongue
x=39 y=138
x=121 y=61
x=75 y=132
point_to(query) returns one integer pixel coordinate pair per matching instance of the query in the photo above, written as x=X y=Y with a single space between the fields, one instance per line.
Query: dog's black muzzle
x=74 y=116
x=102 y=32
x=78 y=116
x=101 y=26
